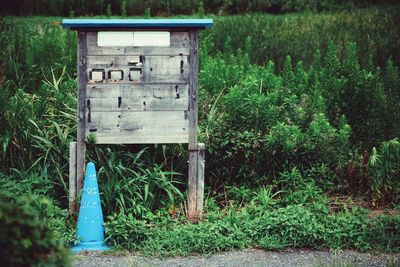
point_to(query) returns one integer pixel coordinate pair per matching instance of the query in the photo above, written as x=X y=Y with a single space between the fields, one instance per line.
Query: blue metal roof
x=77 y=24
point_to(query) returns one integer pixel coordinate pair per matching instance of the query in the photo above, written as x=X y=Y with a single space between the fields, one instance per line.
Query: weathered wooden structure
x=137 y=84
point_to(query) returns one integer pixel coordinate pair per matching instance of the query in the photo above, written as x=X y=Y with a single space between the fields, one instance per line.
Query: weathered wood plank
x=193 y=111
x=164 y=69
x=144 y=103
x=80 y=139
x=192 y=185
x=125 y=121
x=147 y=77
x=163 y=63
x=155 y=69
x=129 y=90
x=134 y=50
x=139 y=127
x=193 y=90
x=111 y=61
x=200 y=177
x=126 y=138
x=72 y=178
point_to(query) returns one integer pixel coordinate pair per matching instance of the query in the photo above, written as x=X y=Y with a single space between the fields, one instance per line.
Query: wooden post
x=72 y=178
x=80 y=139
x=200 y=177
x=193 y=111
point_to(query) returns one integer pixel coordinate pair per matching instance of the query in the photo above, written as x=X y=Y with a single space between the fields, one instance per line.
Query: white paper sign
x=115 y=38
x=150 y=38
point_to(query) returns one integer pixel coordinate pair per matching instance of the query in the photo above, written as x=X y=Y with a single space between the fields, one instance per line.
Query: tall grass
x=258 y=120
x=173 y=7
x=299 y=35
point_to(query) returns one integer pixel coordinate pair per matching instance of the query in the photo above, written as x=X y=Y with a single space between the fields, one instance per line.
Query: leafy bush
x=124 y=230
x=298 y=189
x=279 y=134
x=60 y=224
x=36 y=192
x=255 y=224
x=383 y=232
x=347 y=229
x=292 y=226
x=129 y=185
x=171 y=7
x=14 y=187
x=300 y=35
x=256 y=120
x=266 y=123
x=384 y=171
x=26 y=240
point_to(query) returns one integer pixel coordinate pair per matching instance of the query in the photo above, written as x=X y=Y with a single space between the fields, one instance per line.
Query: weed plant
x=282 y=136
x=171 y=7
x=26 y=240
x=272 y=225
x=273 y=37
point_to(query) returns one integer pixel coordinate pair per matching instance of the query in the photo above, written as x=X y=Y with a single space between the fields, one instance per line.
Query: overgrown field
x=174 y=7
x=300 y=114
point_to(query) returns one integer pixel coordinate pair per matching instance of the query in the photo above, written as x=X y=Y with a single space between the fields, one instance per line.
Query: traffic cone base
x=82 y=246
x=90 y=229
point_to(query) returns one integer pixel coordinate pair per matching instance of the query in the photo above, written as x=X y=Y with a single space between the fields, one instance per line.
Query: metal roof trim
x=76 y=24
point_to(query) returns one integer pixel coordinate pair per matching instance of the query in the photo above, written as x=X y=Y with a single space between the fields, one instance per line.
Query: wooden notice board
x=138 y=84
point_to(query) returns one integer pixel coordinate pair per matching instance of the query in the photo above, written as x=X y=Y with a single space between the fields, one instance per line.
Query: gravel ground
x=250 y=257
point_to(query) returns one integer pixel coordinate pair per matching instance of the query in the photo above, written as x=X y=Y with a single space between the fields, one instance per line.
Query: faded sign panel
x=151 y=39
x=115 y=39
x=138 y=38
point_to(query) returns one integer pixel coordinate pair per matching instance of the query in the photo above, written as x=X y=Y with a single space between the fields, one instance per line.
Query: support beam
x=72 y=178
x=193 y=116
x=192 y=186
x=200 y=177
x=80 y=139
x=196 y=185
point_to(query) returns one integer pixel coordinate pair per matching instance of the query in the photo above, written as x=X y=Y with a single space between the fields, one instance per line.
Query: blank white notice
x=133 y=39
x=115 y=39
x=151 y=38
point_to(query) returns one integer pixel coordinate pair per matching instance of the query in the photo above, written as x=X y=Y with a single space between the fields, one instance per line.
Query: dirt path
x=250 y=257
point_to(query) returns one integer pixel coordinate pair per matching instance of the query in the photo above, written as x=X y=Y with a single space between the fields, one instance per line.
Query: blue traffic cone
x=90 y=228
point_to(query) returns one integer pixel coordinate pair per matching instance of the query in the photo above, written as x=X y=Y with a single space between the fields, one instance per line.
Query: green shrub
x=257 y=120
x=299 y=35
x=37 y=192
x=277 y=228
x=16 y=186
x=126 y=231
x=384 y=172
x=265 y=221
x=347 y=229
x=123 y=8
x=383 y=233
x=297 y=190
x=292 y=226
x=26 y=240
x=174 y=7
x=268 y=122
x=138 y=188
x=202 y=238
x=58 y=220
x=278 y=134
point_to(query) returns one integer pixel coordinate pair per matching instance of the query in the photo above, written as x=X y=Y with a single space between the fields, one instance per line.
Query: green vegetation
x=263 y=222
x=301 y=34
x=299 y=113
x=26 y=241
x=174 y=7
